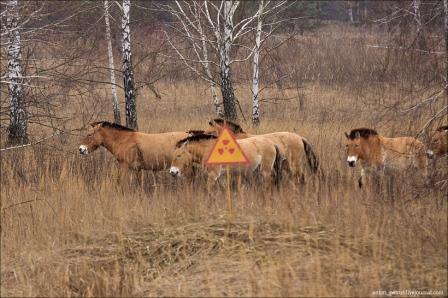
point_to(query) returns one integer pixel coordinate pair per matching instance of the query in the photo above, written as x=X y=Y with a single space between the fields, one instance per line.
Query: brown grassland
x=70 y=227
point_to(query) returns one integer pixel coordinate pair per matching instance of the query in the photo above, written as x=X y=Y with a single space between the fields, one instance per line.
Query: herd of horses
x=270 y=155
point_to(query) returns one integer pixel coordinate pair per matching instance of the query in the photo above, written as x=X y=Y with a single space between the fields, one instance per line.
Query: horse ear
x=347 y=135
x=357 y=135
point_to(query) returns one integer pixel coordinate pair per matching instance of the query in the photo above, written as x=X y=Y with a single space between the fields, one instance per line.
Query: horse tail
x=277 y=166
x=313 y=162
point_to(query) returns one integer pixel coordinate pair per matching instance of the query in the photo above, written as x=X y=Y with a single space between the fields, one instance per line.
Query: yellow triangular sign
x=226 y=150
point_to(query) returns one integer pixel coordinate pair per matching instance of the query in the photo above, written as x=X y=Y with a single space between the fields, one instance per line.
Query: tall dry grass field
x=72 y=225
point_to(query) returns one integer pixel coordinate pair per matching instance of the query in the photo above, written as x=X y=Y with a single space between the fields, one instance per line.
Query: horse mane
x=442 y=128
x=234 y=127
x=196 y=138
x=108 y=124
x=195 y=132
x=362 y=132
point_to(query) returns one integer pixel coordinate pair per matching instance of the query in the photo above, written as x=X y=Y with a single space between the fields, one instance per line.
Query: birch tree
x=115 y=107
x=417 y=14
x=228 y=94
x=128 y=74
x=256 y=67
x=350 y=12
x=211 y=25
x=445 y=27
x=17 y=109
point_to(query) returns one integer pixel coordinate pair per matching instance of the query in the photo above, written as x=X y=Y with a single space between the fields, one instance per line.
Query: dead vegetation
x=71 y=226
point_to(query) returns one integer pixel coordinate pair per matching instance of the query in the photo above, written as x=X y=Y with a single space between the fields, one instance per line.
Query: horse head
x=216 y=125
x=356 y=143
x=92 y=140
x=182 y=161
x=439 y=142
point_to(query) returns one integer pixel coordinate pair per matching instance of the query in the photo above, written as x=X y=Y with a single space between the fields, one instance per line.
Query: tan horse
x=439 y=142
x=133 y=149
x=375 y=152
x=296 y=150
x=263 y=156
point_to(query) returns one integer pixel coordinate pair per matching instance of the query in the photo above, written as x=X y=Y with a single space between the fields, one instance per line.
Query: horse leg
x=423 y=164
x=361 y=179
x=212 y=178
x=267 y=180
x=239 y=186
x=123 y=174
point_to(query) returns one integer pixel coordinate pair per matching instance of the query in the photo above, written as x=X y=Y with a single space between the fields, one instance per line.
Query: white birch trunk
x=365 y=10
x=445 y=19
x=115 y=107
x=128 y=74
x=417 y=15
x=228 y=95
x=216 y=102
x=421 y=43
x=350 y=12
x=18 y=116
x=256 y=68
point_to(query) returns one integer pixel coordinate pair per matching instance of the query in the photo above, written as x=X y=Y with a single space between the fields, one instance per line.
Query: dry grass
x=85 y=233
x=70 y=227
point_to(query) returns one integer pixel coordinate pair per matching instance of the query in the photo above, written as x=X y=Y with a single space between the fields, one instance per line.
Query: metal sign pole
x=229 y=198
x=227 y=151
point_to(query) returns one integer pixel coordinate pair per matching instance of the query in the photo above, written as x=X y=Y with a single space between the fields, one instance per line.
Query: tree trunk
x=18 y=124
x=445 y=8
x=216 y=102
x=115 y=107
x=421 y=43
x=358 y=12
x=365 y=15
x=417 y=14
x=350 y=12
x=128 y=74
x=228 y=95
x=256 y=68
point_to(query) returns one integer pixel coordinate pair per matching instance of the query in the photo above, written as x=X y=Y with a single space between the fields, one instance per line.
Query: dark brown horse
x=133 y=149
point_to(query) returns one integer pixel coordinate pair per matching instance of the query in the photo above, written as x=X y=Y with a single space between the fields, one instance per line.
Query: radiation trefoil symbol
x=226 y=150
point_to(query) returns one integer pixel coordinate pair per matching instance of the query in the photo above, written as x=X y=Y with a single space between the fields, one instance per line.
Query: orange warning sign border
x=232 y=136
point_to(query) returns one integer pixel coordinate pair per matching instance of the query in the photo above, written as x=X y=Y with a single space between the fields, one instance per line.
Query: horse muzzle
x=83 y=150
x=174 y=171
x=351 y=160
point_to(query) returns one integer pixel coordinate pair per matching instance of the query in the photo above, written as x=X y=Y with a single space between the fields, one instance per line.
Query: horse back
x=404 y=145
x=402 y=152
x=288 y=143
x=156 y=150
x=258 y=149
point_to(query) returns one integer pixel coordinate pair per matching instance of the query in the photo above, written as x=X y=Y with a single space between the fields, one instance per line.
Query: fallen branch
x=31 y=144
x=405 y=49
x=21 y=203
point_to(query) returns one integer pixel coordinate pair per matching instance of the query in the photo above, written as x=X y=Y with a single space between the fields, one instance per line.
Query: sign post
x=226 y=151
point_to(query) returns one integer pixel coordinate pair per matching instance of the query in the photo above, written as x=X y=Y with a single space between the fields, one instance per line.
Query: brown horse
x=294 y=148
x=263 y=158
x=375 y=152
x=439 y=142
x=133 y=149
